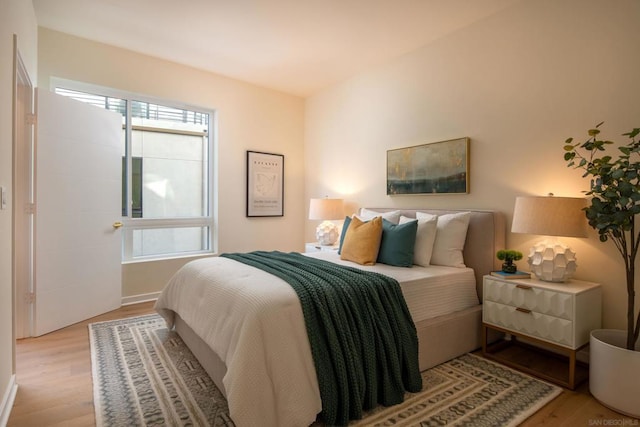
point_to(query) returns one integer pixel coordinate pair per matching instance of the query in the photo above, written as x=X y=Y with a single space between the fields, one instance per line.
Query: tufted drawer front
x=534 y=324
x=529 y=297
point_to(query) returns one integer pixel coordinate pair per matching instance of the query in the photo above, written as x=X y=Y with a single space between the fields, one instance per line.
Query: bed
x=268 y=376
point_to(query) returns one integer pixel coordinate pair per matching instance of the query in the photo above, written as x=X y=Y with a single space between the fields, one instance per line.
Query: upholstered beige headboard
x=485 y=236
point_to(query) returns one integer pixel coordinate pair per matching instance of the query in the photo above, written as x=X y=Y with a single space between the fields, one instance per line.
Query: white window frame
x=131 y=224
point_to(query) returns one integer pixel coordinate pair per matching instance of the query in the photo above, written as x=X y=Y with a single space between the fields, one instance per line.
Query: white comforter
x=271 y=379
x=253 y=321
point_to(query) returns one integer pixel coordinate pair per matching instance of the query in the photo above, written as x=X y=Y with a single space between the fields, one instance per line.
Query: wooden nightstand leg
x=572 y=369
x=484 y=339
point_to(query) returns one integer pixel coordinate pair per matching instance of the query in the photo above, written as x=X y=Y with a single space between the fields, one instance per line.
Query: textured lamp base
x=327 y=233
x=552 y=262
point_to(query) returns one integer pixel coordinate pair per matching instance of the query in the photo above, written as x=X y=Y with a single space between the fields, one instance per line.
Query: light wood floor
x=53 y=373
x=55 y=388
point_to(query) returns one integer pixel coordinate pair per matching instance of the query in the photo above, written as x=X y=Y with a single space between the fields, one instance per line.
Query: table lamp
x=326 y=210
x=550 y=260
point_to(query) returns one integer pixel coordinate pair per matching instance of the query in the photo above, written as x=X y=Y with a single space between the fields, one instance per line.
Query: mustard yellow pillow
x=362 y=241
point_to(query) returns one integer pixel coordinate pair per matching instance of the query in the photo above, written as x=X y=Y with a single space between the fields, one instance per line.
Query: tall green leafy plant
x=615 y=202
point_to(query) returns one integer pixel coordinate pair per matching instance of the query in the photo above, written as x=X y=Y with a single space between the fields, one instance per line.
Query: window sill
x=169 y=258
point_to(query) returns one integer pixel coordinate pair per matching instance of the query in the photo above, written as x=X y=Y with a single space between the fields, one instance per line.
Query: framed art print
x=265 y=184
x=435 y=168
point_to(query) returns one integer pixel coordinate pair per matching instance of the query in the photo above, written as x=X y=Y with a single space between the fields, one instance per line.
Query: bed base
x=440 y=339
x=445 y=337
x=209 y=360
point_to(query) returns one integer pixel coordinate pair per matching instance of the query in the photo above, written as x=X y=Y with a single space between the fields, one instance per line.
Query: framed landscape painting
x=434 y=168
x=265 y=184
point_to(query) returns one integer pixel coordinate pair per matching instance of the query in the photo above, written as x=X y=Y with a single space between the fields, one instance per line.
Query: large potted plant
x=614 y=203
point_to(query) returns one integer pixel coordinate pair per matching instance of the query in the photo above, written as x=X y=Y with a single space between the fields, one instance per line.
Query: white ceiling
x=296 y=46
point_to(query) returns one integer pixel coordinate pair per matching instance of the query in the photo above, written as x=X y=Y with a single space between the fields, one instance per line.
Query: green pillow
x=345 y=227
x=398 y=242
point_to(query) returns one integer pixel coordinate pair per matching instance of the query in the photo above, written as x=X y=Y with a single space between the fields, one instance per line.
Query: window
x=166 y=173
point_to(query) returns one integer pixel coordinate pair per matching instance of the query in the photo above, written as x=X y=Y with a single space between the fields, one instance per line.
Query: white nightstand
x=316 y=247
x=555 y=316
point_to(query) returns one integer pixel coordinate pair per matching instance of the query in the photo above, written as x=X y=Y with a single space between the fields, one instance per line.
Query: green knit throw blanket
x=363 y=340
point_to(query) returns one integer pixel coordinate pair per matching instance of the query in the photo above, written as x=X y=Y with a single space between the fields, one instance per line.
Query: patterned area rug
x=144 y=375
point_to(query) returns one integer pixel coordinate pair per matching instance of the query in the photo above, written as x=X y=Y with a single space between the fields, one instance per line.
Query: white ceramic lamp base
x=552 y=262
x=327 y=233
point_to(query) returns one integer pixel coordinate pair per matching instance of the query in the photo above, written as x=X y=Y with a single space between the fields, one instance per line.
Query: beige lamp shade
x=550 y=216
x=326 y=209
x=550 y=261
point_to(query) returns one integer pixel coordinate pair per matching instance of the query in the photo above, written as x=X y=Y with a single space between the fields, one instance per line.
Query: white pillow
x=425 y=236
x=450 y=237
x=368 y=214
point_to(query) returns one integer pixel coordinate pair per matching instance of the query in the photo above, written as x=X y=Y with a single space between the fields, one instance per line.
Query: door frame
x=23 y=198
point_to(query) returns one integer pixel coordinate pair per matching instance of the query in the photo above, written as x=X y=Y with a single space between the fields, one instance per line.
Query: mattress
x=429 y=291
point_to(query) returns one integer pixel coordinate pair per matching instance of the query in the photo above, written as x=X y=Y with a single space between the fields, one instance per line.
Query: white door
x=78 y=200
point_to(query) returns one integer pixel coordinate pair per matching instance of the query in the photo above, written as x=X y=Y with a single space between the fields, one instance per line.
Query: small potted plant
x=508 y=256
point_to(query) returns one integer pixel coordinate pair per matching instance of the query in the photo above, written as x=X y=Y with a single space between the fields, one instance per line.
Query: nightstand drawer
x=548 y=328
x=536 y=299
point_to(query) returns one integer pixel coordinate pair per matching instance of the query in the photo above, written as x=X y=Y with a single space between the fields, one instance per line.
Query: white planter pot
x=614 y=372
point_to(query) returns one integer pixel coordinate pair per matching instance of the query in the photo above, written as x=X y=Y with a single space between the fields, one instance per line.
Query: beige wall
x=518 y=84
x=249 y=118
x=16 y=17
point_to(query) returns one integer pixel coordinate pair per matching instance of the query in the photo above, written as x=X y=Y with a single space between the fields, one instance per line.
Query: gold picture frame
x=434 y=168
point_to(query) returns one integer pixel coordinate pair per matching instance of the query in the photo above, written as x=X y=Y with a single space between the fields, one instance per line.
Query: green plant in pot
x=614 y=203
x=508 y=256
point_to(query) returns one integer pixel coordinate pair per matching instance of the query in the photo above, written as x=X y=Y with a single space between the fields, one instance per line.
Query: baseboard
x=7 y=401
x=136 y=299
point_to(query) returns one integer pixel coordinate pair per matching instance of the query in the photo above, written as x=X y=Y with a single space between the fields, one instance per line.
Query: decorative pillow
x=450 y=237
x=425 y=236
x=345 y=227
x=367 y=214
x=398 y=242
x=362 y=241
